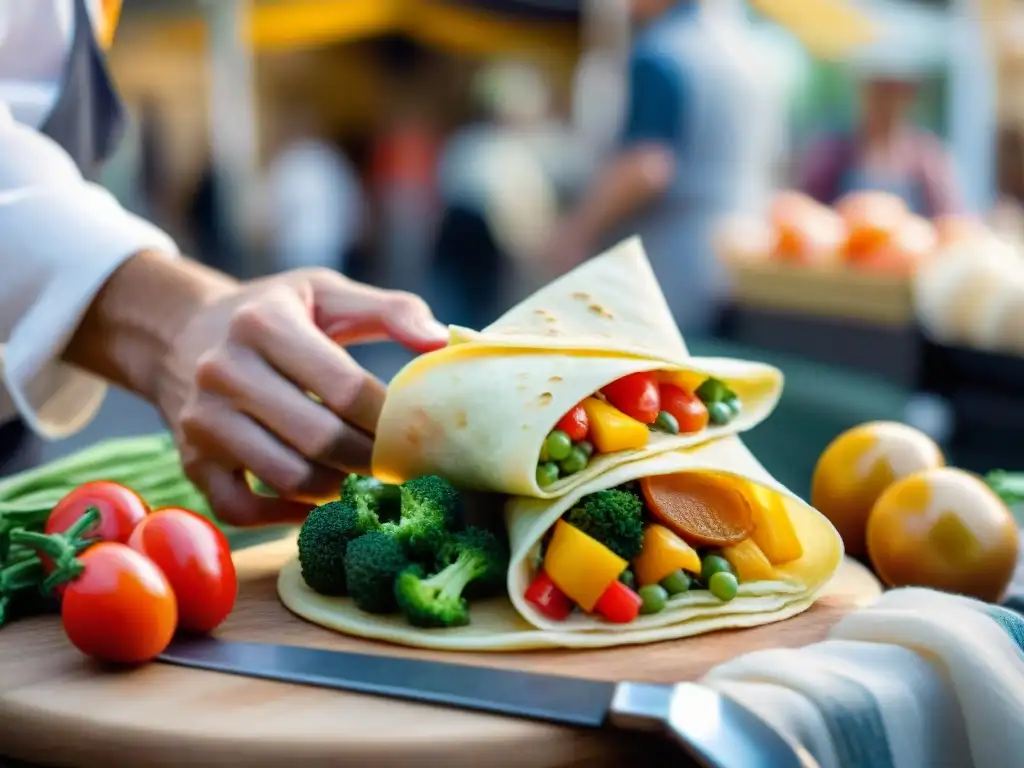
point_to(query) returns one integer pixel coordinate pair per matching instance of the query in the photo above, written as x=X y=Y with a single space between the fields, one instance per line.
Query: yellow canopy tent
x=469 y=27
x=829 y=28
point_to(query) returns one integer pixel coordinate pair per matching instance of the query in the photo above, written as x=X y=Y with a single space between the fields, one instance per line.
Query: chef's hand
x=235 y=384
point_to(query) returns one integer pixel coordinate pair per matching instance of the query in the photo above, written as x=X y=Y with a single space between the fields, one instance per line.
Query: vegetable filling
x=622 y=416
x=628 y=551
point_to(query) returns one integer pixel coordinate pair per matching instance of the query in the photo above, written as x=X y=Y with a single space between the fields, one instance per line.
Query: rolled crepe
x=511 y=624
x=479 y=411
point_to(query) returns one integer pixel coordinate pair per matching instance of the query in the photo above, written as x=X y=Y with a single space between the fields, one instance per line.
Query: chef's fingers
x=231 y=439
x=259 y=391
x=351 y=312
x=233 y=502
x=278 y=327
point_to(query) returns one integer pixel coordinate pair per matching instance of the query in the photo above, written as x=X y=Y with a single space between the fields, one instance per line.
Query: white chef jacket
x=60 y=236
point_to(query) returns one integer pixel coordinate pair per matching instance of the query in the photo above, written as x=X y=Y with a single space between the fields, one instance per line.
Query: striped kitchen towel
x=919 y=679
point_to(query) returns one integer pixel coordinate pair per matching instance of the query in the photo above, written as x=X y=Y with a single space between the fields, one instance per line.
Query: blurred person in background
x=599 y=80
x=495 y=178
x=314 y=202
x=1007 y=216
x=698 y=144
x=885 y=150
x=403 y=184
x=93 y=294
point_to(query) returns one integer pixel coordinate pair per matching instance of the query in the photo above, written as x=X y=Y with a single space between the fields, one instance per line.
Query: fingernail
x=434 y=329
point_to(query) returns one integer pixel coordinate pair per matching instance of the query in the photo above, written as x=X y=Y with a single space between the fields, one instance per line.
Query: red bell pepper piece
x=548 y=598
x=635 y=395
x=619 y=604
x=575 y=424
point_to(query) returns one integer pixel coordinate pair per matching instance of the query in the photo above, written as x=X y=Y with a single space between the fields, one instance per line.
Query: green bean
x=97 y=460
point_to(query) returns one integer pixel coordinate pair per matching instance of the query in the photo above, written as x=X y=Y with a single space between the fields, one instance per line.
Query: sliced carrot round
x=701 y=508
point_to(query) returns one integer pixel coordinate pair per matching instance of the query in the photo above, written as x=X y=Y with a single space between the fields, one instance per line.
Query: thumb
x=355 y=313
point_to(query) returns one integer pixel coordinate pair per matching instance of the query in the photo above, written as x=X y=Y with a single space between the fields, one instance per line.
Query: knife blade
x=713 y=730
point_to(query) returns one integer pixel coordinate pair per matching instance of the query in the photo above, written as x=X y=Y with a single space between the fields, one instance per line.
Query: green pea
x=558 y=445
x=734 y=405
x=654 y=597
x=666 y=422
x=586 y=446
x=712 y=391
x=627 y=578
x=723 y=585
x=547 y=473
x=575 y=462
x=676 y=583
x=719 y=413
x=713 y=564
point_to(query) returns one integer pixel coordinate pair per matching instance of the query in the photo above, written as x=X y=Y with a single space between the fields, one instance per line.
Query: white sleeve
x=61 y=238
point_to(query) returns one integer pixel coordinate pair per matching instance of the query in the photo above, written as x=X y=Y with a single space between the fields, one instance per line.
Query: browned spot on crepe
x=461 y=420
x=545 y=398
x=421 y=428
x=555 y=379
x=581 y=296
x=597 y=309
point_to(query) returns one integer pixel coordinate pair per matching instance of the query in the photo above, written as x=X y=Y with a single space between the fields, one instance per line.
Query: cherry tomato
x=120 y=508
x=687 y=408
x=575 y=424
x=548 y=598
x=121 y=608
x=619 y=604
x=196 y=558
x=635 y=395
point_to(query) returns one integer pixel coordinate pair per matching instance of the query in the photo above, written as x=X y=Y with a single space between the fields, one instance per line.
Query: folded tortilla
x=478 y=411
x=511 y=624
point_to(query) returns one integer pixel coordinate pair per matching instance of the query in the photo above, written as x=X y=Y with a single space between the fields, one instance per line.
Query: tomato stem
x=89 y=518
x=61 y=548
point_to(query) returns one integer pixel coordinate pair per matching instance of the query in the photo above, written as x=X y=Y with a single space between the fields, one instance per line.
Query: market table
x=58 y=708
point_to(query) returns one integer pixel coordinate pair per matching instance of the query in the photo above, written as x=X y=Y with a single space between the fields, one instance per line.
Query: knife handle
x=714 y=730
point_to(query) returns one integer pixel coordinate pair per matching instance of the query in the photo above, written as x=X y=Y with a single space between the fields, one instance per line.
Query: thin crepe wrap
x=478 y=411
x=511 y=624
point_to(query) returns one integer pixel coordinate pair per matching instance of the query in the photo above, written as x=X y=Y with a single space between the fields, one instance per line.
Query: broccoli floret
x=324 y=540
x=430 y=511
x=431 y=603
x=434 y=494
x=382 y=498
x=614 y=518
x=487 y=549
x=472 y=556
x=372 y=563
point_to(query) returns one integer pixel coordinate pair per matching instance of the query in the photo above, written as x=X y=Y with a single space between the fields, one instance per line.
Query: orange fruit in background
x=806 y=231
x=954 y=229
x=945 y=529
x=912 y=243
x=872 y=220
x=856 y=468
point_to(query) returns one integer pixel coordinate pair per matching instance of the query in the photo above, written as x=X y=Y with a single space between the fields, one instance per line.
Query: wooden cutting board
x=58 y=708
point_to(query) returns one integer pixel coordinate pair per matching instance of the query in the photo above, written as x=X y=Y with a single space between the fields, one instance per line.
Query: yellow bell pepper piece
x=661 y=554
x=581 y=566
x=774 y=532
x=611 y=430
x=749 y=562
